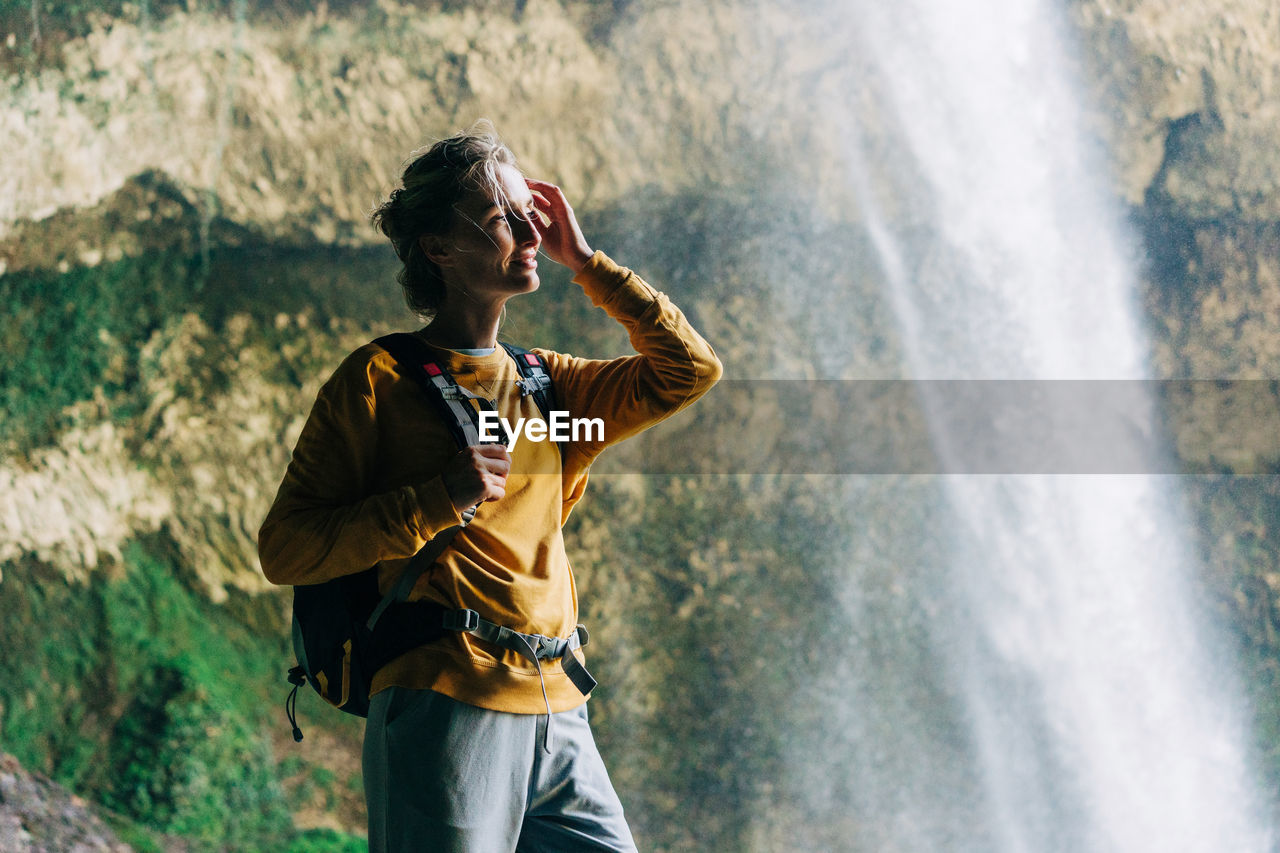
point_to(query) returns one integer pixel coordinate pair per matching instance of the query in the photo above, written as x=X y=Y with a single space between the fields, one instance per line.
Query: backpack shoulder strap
x=453 y=403
x=534 y=378
x=451 y=400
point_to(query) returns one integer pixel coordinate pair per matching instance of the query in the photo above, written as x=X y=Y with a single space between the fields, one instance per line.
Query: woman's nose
x=526 y=231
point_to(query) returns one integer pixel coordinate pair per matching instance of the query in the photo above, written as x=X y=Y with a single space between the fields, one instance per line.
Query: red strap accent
x=530 y=358
x=432 y=368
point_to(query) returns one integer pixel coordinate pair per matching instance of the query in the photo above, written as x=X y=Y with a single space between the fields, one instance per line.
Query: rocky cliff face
x=296 y=130
x=38 y=816
x=1188 y=103
x=1188 y=98
x=207 y=181
x=292 y=131
x=195 y=131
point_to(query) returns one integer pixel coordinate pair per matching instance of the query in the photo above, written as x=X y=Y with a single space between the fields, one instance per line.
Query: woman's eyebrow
x=504 y=209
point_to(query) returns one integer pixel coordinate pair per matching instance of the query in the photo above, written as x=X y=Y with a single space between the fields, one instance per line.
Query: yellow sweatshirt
x=364 y=489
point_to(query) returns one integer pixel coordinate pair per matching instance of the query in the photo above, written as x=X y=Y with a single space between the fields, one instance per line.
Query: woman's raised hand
x=562 y=240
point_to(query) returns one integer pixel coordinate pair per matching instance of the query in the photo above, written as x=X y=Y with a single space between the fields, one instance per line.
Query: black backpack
x=344 y=631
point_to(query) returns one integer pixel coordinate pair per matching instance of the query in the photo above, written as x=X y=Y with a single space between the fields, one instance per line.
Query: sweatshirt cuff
x=616 y=289
x=435 y=508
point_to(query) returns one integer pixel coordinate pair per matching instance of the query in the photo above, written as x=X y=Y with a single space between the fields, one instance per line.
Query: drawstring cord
x=297 y=677
x=532 y=655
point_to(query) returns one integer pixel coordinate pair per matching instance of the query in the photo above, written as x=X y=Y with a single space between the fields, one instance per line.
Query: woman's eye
x=524 y=216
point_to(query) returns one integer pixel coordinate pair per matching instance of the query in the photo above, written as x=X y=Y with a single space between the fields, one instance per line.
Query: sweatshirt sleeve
x=327 y=519
x=674 y=365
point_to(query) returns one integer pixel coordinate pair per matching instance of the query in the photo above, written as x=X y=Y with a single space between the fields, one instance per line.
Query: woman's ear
x=435 y=249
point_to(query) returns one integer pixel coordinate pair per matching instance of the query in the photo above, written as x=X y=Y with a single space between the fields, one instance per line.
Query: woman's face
x=493 y=243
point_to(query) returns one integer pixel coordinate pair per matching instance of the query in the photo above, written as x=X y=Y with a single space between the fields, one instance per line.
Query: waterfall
x=1096 y=709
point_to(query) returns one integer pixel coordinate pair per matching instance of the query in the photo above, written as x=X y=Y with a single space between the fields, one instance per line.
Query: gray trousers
x=441 y=775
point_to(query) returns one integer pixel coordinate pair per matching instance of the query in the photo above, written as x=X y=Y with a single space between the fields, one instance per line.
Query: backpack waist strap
x=420 y=622
x=537 y=648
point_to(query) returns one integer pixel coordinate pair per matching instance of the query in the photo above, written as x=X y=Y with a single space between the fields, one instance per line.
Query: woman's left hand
x=562 y=240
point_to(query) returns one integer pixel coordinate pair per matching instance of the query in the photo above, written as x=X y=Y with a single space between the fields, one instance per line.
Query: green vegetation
x=326 y=841
x=136 y=690
x=133 y=688
x=79 y=337
x=74 y=336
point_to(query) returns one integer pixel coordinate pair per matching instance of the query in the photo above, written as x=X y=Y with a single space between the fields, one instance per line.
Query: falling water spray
x=1088 y=693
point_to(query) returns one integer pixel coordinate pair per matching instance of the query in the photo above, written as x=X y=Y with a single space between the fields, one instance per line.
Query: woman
x=469 y=746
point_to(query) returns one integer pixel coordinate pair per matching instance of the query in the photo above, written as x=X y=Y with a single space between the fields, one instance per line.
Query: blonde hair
x=431 y=185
